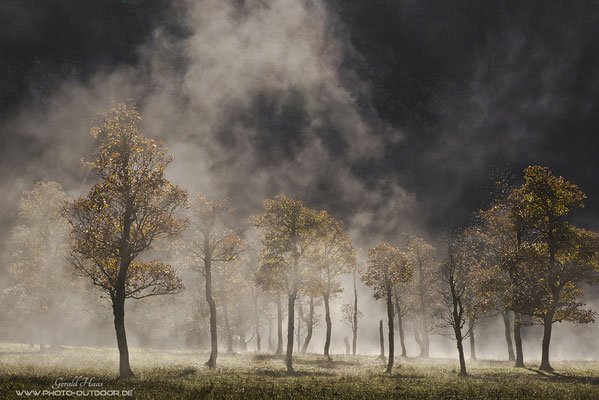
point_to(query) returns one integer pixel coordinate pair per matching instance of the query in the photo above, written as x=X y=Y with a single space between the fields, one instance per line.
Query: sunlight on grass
x=168 y=374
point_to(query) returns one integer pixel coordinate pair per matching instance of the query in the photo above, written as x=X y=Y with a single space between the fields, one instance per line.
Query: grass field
x=164 y=374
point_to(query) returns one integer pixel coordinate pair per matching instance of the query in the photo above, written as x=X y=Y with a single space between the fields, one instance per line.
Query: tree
x=387 y=266
x=399 y=310
x=356 y=312
x=454 y=276
x=505 y=276
x=271 y=278
x=560 y=255
x=38 y=244
x=333 y=255
x=289 y=229
x=350 y=316
x=215 y=241
x=312 y=319
x=462 y=299
x=422 y=298
x=132 y=206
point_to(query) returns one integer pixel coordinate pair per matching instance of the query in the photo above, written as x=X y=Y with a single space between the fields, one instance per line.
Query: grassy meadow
x=171 y=374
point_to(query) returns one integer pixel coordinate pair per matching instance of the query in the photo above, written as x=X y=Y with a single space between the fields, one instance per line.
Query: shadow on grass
x=324 y=363
x=285 y=374
x=556 y=377
x=265 y=357
x=399 y=375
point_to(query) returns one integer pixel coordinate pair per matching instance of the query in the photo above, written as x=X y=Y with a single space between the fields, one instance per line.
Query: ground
x=172 y=374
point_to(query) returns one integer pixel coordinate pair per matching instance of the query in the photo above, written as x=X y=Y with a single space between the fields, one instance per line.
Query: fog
x=253 y=99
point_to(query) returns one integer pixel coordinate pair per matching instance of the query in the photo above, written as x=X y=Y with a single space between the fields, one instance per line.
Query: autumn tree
x=38 y=273
x=506 y=276
x=131 y=206
x=271 y=278
x=387 y=266
x=288 y=230
x=421 y=296
x=561 y=256
x=332 y=255
x=216 y=240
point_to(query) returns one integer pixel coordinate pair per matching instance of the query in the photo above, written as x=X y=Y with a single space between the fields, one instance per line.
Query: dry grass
x=169 y=374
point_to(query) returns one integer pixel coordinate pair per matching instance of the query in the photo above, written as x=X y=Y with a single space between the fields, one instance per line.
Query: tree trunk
x=298 y=336
x=518 y=341
x=547 y=325
x=211 y=363
x=310 y=326
x=118 y=308
x=382 y=340
x=390 y=313
x=118 y=299
x=424 y=326
x=347 y=346
x=257 y=322
x=327 y=342
x=458 y=334
x=258 y=340
x=355 y=325
x=472 y=344
x=290 y=328
x=508 y=336
x=243 y=346
x=425 y=348
x=228 y=333
x=279 y=350
x=548 y=319
x=400 y=328
x=418 y=340
x=271 y=344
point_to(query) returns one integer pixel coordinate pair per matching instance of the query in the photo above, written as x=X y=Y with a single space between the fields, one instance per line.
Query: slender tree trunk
x=175 y=324
x=121 y=338
x=257 y=322
x=424 y=326
x=211 y=363
x=294 y=282
x=290 y=329
x=271 y=344
x=472 y=343
x=355 y=324
x=382 y=340
x=243 y=346
x=548 y=319
x=258 y=339
x=279 y=350
x=425 y=349
x=400 y=328
x=518 y=341
x=118 y=299
x=458 y=335
x=228 y=333
x=347 y=346
x=310 y=326
x=327 y=342
x=418 y=340
x=298 y=335
x=547 y=325
x=390 y=313
x=508 y=336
